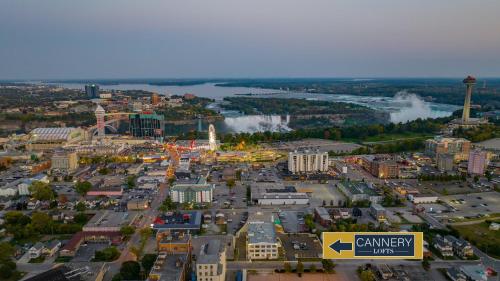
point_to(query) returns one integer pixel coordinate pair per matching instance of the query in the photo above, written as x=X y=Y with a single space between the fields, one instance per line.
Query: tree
x=287 y=267
x=104 y=171
x=108 y=254
x=300 y=268
x=167 y=205
x=328 y=265
x=131 y=181
x=130 y=270
x=147 y=262
x=42 y=222
x=41 y=191
x=83 y=187
x=80 y=218
x=145 y=233
x=476 y=178
x=426 y=264
x=80 y=206
x=367 y=275
x=230 y=183
x=127 y=230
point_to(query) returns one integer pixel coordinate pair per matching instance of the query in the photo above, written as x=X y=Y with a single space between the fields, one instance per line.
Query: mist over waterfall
x=408 y=106
x=257 y=123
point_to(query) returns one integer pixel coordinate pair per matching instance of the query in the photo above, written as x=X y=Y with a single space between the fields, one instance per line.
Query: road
x=145 y=221
x=236 y=265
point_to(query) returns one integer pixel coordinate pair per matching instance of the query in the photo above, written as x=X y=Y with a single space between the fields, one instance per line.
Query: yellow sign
x=373 y=245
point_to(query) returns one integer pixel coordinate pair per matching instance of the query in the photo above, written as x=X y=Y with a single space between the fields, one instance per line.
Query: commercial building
x=50 y=138
x=173 y=242
x=322 y=216
x=378 y=212
x=174 y=256
x=307 y=161
x=382 y=167
x=92 y=91
x=422 y=198
x=274 y=194
x=71 y=247
x=107 y=221
x=478 y=161
x=262 y=242
x=445 y=162
x=211 y=263
x=137 y=204
x=359 y=191
x=278 y=198
x=178 y=221
x=110 y=191
x=170 y=267
x=155 y=99
x=192 y=193
x=458 y=147
x=64 y=161
x=146 y=125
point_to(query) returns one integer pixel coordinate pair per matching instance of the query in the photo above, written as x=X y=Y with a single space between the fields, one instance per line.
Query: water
x=208 y=90
x=402 y=107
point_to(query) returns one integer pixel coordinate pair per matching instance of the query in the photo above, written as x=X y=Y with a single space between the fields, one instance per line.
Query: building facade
x=64 y=161
x=262 y=242
x=146 y=125
x=92 y=91
x=192 y=193
x=306 y=161
x=445 y=162
x=478 y=161
x=211 y=263
x=359 y=191
x=458 y=147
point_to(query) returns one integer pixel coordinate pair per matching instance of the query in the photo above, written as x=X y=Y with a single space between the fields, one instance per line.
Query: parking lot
x=322 y=192
x=467 y=205
x=292 y=221
x=297 y=246
x=86 y=251
x=224 y=198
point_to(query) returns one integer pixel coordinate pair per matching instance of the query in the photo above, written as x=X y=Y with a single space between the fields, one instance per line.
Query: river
x=402 y=107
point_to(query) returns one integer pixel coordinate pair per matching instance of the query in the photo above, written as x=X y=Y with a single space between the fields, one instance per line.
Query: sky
x=81 y=39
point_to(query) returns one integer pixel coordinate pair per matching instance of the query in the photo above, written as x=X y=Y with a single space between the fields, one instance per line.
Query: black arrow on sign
x=339 y=246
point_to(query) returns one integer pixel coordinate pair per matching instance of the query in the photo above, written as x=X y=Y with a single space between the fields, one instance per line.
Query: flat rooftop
x=358 y=188
x=209 y=253
x=178 y=220
x=168 y=267
x=261 y=232
x=108 y=219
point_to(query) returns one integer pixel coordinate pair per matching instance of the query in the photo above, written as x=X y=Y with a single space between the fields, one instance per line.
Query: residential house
x=36 y=250
x=444 y=246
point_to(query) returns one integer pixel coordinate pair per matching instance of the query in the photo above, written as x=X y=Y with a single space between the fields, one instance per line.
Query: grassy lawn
x=492 y=217
x=481 y=236
x=40 y=259
x=395 y=137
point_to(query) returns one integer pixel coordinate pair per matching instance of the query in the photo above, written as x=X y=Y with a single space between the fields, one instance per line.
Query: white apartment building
x=211 y=263
x=307 y=161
